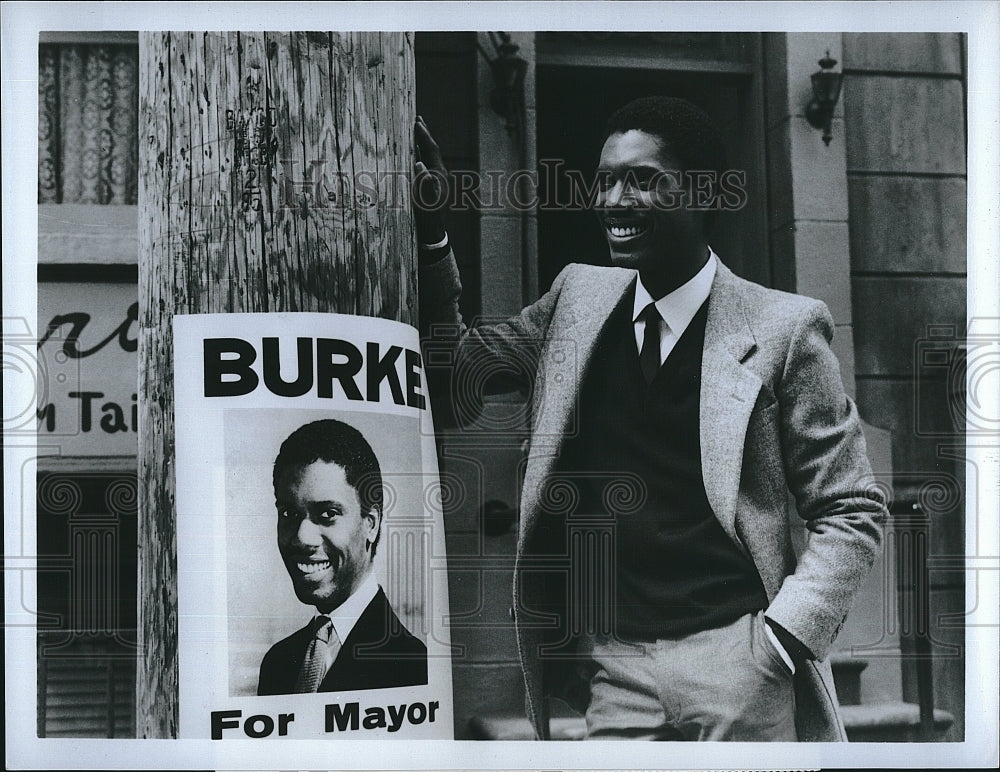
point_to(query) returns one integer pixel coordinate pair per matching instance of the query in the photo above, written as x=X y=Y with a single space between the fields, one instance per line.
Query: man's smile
x=314 y=569
x=620 y=230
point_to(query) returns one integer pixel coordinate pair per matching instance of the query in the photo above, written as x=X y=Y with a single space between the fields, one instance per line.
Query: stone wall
x=904 y=120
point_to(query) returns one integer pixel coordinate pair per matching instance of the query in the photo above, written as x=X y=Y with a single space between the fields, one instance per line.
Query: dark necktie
x=649 y=355
x=313 y=668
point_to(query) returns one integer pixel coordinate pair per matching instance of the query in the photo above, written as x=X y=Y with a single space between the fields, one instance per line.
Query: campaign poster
x=311 y=554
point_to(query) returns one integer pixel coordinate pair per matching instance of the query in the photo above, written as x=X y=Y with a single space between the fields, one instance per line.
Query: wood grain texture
x=243 y=139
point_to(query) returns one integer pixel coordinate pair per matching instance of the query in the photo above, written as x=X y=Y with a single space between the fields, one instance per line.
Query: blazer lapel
x=584 y=307
x=728 y=394
x=285 y=665
x=369 y=629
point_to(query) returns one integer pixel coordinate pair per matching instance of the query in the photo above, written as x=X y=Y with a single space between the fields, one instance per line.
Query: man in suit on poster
x=328 y=496
x=712 y=397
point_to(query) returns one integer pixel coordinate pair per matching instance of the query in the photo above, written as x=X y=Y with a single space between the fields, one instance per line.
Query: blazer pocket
x=767 y=647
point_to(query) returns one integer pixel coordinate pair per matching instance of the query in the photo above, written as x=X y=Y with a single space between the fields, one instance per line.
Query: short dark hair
x=688 y=134
x=337 y=443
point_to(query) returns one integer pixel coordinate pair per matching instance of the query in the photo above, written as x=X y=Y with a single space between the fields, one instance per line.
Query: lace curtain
x=88 y=98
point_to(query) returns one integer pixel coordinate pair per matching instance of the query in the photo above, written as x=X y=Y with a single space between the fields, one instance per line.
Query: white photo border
x=20 y=26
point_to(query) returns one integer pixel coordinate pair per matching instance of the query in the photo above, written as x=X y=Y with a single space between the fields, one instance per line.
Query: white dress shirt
x=346 y=615
x=676 y=308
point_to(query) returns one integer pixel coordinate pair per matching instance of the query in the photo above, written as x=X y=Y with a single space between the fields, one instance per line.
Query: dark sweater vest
x=676 y=571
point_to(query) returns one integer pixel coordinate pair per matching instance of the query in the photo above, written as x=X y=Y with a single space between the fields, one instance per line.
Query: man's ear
x=373 y=524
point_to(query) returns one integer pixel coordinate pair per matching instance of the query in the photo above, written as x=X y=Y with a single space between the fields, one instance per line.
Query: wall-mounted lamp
x=826 y=91
x=508 y=68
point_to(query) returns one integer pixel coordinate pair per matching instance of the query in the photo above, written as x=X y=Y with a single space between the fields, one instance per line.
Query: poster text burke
x=320 y=362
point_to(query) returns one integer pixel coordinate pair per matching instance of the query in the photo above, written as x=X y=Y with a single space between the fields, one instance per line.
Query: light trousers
x=728 y=683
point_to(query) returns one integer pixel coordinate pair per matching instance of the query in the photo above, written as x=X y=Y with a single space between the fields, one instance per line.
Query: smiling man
x=705 y=397
x=328 y=497
x=645 y=203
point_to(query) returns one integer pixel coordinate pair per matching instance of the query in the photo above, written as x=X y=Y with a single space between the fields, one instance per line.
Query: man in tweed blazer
x=718 y=630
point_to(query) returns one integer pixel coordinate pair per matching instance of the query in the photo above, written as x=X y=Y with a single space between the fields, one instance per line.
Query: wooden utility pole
x=271 y=178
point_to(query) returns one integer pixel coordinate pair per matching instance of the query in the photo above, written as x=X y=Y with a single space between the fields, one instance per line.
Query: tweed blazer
x=774 y=418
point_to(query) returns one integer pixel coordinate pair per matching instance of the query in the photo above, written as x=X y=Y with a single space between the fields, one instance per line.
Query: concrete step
x=875 y=722
x=890 y=722
x=519 y=728
x=847 y=671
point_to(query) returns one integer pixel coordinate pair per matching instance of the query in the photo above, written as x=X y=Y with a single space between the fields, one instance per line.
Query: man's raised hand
x=430 y=187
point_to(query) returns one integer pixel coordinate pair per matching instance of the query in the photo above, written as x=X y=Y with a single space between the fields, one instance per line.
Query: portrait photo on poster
x=322 y=509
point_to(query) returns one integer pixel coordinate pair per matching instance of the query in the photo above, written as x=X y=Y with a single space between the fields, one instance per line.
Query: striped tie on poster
x=324 y=645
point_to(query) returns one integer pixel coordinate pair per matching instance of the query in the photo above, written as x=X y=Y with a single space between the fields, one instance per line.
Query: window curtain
x=88 y=98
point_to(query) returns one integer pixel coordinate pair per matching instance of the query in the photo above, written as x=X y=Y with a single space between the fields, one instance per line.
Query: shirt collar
x=346 y=615
x=678 y=308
